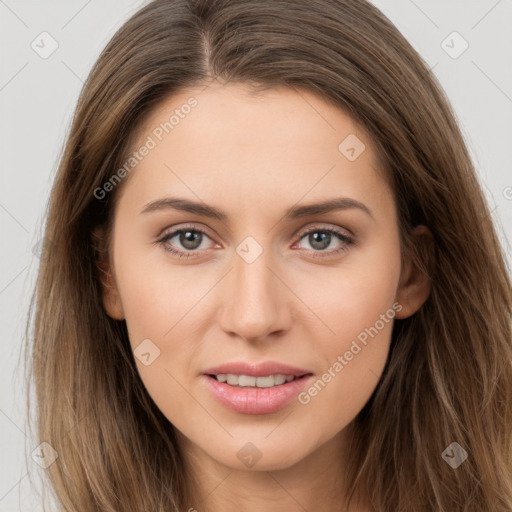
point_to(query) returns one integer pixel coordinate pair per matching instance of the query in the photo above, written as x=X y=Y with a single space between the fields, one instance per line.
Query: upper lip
x=256 y=370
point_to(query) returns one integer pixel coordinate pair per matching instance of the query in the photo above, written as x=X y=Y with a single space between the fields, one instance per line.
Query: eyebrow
x=295 y=212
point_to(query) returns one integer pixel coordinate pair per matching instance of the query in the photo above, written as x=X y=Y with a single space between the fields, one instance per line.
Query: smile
x=268 y=381
x=251 y=397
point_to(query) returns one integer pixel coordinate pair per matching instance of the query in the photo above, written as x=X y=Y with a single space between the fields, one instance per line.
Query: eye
x=189 y=238
x=320 y=238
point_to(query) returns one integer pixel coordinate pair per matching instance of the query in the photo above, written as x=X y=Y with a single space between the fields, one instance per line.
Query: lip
x=257 y=370
x=254 y=400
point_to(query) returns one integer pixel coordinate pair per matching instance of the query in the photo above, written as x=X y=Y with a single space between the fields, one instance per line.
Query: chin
x=261 y=455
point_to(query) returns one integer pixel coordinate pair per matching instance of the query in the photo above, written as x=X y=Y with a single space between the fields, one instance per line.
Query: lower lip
x=252 y=400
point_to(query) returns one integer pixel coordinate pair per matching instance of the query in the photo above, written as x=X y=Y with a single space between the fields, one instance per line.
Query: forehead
x=226 y=141
x=279 y=117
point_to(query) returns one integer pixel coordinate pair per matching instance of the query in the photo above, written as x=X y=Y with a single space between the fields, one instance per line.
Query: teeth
x=265 y=382
x=246 y=380
x=232 y=379
x=279 y=379
x=249 y=381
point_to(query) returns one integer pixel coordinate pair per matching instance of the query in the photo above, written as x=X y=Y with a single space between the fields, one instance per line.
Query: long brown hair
x=449 y=372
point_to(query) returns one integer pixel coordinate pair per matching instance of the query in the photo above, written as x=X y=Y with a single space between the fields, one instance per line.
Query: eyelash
x=347 y=241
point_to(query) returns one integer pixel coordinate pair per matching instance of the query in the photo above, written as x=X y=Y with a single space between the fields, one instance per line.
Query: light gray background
x=37 y=97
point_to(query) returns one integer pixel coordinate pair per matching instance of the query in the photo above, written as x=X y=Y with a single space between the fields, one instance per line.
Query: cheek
x=163 y=304
x=351 y=298
x=357 y=308
x=168 y=305
x=157 y=295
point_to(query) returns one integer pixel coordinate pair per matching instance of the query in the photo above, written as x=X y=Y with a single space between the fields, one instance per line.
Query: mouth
x=250 y=388
x=252 y=381
x=256 y=389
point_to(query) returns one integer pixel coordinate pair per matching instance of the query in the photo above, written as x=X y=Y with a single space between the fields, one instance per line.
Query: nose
x=257 y=301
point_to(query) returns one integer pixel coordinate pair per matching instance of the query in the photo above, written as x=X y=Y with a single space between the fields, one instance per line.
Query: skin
x=254 y=157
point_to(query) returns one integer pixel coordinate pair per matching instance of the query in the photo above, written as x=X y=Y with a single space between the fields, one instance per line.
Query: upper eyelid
x=192 y=227
x=321 y=226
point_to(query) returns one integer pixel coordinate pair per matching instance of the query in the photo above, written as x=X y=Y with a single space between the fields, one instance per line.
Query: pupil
x=189 y=239
x=323 y=240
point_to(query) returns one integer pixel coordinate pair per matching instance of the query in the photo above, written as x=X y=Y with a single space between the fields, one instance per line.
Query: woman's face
x=259 y=282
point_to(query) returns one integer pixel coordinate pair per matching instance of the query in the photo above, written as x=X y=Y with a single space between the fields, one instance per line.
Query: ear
x=415 y=283
x=110 y=293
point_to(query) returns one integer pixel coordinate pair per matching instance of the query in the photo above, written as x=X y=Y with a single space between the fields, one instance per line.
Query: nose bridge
x=255 y=307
